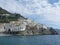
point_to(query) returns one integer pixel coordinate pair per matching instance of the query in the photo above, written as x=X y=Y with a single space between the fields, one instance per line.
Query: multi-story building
x=14 y=27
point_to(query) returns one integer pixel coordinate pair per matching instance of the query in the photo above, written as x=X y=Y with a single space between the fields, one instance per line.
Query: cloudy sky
x=42 y=11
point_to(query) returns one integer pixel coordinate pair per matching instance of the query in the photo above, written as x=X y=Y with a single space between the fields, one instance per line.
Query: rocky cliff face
x=32 y=28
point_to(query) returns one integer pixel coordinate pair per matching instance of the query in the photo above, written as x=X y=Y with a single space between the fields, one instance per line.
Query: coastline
x=16 y=24
x=27 y=34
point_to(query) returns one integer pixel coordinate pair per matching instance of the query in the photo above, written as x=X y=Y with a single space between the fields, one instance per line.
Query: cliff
x=18 y=25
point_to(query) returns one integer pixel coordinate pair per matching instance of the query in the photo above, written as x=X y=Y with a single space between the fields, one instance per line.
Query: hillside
x=6 y=16
x=3 y=11
x=16 y=21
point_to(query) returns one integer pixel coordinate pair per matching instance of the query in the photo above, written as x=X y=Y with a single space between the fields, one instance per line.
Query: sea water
x=30 y=40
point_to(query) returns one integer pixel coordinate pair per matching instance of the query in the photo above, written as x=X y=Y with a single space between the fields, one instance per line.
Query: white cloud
x=50 y=13
x=31 y=6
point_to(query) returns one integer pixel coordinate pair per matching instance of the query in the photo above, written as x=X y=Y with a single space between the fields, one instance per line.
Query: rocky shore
x=34 y=32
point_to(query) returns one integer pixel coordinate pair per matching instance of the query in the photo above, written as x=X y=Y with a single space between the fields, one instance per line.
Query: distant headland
x=16 y=24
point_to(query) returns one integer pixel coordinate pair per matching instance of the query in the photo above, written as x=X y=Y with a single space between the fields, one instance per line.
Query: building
x=2 y=27
x=15 y=26
x=4 y=14
x=30 y=23
x=39 y=26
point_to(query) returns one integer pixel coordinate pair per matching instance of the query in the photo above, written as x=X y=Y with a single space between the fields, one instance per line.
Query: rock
x=53 y=32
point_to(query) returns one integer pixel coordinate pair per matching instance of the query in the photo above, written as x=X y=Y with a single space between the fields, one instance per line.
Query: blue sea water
x=30 y=40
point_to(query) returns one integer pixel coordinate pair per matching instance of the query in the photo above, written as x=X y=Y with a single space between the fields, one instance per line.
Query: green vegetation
x=2 y=11
x=10 y=17
x=5 y=18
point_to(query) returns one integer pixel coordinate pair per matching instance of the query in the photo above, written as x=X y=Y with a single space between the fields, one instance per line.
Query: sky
x=42 y=11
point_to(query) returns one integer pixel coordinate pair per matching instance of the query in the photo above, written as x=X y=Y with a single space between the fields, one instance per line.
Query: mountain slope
x=3 y=11
x=6 y=16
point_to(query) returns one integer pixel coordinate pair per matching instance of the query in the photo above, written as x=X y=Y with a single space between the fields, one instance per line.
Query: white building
x=2 y=27
x=14 y=27
x=5 y=14
x=30 y=23
x=41 y=26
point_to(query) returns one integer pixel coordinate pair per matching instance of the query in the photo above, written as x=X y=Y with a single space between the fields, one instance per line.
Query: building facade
x=14 y=27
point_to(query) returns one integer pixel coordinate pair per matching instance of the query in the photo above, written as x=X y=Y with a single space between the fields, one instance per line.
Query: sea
x=30 y=40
